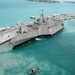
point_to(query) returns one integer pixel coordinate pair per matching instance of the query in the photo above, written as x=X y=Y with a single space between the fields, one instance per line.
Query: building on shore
x=49 y=1
x=69 y=1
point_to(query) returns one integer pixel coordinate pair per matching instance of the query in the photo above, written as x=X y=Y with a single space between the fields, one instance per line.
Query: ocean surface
x=53 y=55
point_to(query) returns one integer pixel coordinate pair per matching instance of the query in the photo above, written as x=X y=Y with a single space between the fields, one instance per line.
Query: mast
x=42 y=15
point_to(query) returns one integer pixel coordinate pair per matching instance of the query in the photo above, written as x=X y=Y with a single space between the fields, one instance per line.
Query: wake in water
x=22 y=67
x=38 y=39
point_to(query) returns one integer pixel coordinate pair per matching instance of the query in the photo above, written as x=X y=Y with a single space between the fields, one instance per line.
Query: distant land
x=49 y=1
x=69 y=1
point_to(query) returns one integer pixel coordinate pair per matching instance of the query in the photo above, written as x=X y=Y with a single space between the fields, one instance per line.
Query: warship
x=21 y=33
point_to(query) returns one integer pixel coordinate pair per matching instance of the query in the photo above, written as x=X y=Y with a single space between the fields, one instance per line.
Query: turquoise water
x=54 y=55
x=19 y=12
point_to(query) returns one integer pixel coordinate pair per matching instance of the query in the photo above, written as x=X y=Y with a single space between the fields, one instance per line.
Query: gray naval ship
x=19 y=34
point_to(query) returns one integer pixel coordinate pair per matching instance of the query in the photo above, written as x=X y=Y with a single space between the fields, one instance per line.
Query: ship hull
x=43 y=30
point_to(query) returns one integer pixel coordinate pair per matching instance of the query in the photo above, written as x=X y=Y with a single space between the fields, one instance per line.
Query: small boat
x=34 y=70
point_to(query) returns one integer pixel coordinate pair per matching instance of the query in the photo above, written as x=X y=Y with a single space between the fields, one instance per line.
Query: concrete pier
x=62 y=16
